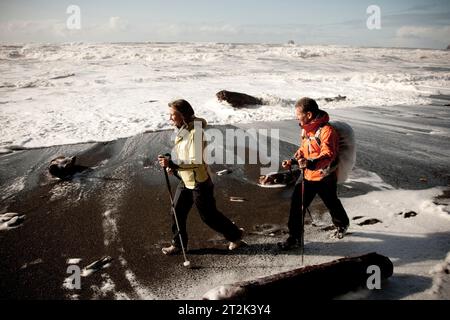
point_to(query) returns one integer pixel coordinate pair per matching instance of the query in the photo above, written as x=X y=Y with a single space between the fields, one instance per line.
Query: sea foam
x=78 y=92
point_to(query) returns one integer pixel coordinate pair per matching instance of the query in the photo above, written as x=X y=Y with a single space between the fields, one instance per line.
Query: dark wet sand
x=66 y=219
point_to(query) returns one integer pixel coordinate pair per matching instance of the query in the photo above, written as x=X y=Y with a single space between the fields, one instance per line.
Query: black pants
x=203 y=197
x=327 y=191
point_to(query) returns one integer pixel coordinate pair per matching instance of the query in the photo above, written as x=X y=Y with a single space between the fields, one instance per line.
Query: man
x=195 y=185
x=317 y=156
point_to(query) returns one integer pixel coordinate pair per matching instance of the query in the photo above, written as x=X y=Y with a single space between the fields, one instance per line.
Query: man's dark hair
x=184 y=108
x=308 y=105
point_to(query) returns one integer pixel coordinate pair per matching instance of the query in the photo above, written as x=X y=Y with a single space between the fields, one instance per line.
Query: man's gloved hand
x=302 y=163
x=286 y=164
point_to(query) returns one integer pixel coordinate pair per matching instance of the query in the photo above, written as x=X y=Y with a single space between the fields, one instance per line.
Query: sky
x=400 y=23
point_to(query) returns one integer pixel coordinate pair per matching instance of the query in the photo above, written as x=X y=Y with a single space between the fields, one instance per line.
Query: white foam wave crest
x=77 y=92
x=213 y=52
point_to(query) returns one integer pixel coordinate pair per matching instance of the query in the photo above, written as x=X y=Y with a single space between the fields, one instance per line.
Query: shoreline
x=438 y=101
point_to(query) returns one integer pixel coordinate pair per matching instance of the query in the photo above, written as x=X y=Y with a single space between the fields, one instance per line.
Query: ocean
x=79 y=92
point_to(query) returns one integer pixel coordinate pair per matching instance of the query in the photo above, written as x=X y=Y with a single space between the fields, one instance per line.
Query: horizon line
x=2 y=43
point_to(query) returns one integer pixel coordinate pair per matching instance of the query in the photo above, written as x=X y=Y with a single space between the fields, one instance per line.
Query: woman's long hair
x=185 y=109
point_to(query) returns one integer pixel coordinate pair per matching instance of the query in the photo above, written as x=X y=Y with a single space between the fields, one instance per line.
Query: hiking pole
x=186 y=262
x=302 y=176
x=302 y=236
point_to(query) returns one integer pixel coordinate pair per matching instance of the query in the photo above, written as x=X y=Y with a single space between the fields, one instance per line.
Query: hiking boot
x=289 y=243
x=339 y=233
x=170 y=251
x=233 y=245
x=236 y=244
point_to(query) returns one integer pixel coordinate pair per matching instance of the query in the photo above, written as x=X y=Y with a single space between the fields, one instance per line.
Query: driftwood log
x=323 y=281
x=237 y=99
x=62 y=167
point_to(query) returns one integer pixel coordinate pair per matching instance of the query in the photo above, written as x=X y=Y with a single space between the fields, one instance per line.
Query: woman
x=195 y=185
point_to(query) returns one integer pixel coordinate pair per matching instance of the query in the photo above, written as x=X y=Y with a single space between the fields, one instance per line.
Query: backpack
x=345 y=161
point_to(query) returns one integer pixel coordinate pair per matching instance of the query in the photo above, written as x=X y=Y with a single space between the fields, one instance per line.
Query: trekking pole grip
x=166 y=175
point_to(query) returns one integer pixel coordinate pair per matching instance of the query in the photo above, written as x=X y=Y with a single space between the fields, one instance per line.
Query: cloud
x=224 y=29
x=56 y=30
x=118 y=24
x=182 y=30
x=439 y=4
x=394 y=32
x=419 y=32
x=31 y=28
x=223 y=32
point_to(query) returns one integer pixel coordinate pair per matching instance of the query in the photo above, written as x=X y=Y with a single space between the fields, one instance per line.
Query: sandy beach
x=119 y=207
